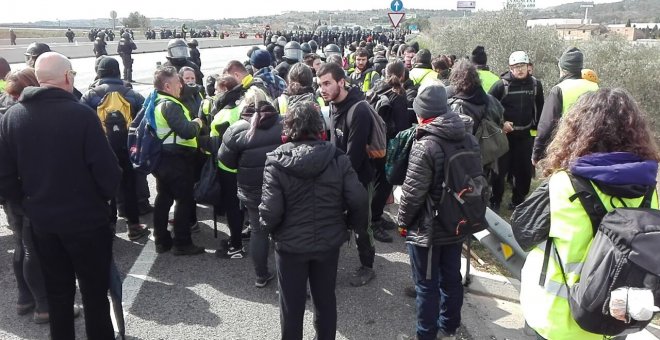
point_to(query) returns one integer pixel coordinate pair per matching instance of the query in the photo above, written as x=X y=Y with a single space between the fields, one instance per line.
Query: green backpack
x=398 y=151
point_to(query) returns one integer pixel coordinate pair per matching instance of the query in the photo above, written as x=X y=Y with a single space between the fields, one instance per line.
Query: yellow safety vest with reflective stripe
x=3 y=84
x=283 y=103
x=546 y=307
x=488 y=79
x=420 y=76
x=162 y=128
x=572 y=89
x=225 y=115
x=207 y=104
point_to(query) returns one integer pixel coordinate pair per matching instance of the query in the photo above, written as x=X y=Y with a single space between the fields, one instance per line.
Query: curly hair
x=464 y=77
x=607 y=120
x=303 y=122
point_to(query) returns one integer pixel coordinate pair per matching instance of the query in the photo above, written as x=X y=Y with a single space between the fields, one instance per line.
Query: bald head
x=54 y=70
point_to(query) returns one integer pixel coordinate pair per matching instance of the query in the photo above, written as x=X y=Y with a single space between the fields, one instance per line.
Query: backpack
x=623 y=253
x=493 y=142
x=381 y=103
x=144 y=146
x=465 y=110
x=398 y=153
x=465 y=190
x=377 y=145
x=114 y=111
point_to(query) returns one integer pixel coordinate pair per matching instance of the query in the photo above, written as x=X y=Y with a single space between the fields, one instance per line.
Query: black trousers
x=365 y=239
x=174 y=182
x=382 y=190
x=27 y=267
x=127 y=187
x=517 y=162
x=87 y=256
x=293 y=272
x=231 y=206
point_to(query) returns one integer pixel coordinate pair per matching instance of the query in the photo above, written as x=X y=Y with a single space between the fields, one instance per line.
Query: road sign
x=396 y=6
x=412 y=27
x=396 y=18
x=465 y=5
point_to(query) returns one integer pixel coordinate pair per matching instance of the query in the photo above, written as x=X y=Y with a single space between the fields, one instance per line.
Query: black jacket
x=99 y=47
x=195 y=57
x=56 y=161
x=519 y=104
x=352 y=137
x=399 y=108
x=425 y=176
x=192 y=96
x=306 y=189
x=379 y=62
x=125 y=47
x=549 y=119
x=178 y=63
x=477 y=105
x=248 y=155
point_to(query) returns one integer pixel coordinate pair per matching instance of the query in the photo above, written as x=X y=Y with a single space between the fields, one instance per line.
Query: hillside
x=608 y=13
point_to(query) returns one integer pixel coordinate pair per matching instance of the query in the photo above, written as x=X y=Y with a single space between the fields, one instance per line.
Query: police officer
x=292 y=54
x=177 y=56
x=33 y=51
x=125 y=48
x=12 y=37
x=69 y=35
x=194 y=53
x=99 y=45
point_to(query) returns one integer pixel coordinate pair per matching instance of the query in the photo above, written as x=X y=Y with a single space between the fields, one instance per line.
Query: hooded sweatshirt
x=55 y=159
x=307 y=187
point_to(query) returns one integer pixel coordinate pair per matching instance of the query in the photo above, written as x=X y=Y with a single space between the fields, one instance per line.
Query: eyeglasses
x=519 y=67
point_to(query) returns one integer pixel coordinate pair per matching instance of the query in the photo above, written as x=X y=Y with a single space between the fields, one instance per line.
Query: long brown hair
x=395 y=70
x=607 y=120
x=464 y=77
x=19 y=79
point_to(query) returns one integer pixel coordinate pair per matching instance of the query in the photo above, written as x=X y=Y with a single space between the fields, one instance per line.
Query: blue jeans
x=440 y=298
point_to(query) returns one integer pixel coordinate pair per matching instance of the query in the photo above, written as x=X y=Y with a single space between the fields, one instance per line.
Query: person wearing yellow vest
x=480 y=59
x=363 y=76
x=560 y=98
x=422 y=72
x=4 y=69
x=174 y=175
x=620 y=159
x=299 y=90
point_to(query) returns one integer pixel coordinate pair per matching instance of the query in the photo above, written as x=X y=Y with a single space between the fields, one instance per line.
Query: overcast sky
x=35 y=10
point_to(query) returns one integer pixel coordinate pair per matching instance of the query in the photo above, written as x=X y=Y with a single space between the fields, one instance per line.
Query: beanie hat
x=479 y=56
x=572 y=61
x=431 y=101
x=424 y=56
x=260 y=59
x=108 y=67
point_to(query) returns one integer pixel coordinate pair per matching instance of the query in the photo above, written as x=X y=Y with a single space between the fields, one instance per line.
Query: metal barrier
x=498 y=239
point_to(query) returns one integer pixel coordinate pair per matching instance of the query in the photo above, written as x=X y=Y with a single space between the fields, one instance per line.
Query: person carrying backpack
x=117 y=105
x=430 y=212
x=521 y=96
x=603 y=144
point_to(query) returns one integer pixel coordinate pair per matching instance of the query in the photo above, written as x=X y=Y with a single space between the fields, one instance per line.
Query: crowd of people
x=288 y=134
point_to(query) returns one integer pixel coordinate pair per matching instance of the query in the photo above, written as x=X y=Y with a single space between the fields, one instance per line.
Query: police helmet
x=251 y=50
x=273 y=39
x=331 y=49
x=36 y=49
x=177 y=49
x=193 y=43
x=305 y=48
x=126 y=35
x=101 y=35
x=292 y=51
x=313 y=46
x=281 y=41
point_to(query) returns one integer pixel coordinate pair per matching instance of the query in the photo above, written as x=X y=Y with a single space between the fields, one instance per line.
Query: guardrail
x=498 y=239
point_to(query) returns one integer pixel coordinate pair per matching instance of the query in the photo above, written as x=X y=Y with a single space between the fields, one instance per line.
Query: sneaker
x=362 y=276
x=381 y=235
x=263 y=281
x=442 y=335
x=22 y=309
x=410 y=291
x=230 y=253
x=163 y=248
x=189 y=249
x=137 y=231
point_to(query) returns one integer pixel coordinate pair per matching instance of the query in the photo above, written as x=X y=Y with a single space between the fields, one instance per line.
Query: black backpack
x=383 y=106
x=623 y=253
x=114 y=112
x=465 y=190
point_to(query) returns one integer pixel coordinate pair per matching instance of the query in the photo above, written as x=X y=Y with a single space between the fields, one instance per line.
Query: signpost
x=397 y=14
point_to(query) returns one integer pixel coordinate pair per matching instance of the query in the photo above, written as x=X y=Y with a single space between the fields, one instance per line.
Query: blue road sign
x=396 y=6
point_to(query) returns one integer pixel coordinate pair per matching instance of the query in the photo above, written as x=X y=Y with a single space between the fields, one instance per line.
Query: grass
x=45 y=33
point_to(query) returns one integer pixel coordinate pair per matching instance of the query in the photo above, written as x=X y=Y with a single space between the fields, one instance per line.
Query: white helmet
x=518 y=57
